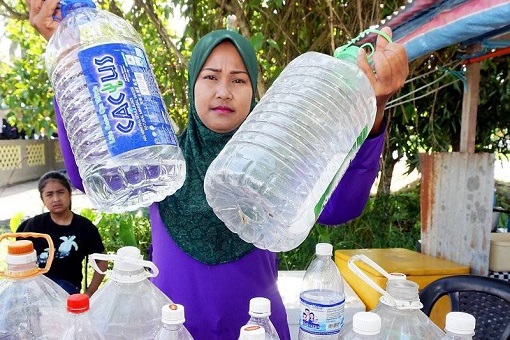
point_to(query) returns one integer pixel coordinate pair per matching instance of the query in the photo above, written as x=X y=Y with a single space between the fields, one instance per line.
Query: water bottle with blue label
x=322 y=298
x=118 y=127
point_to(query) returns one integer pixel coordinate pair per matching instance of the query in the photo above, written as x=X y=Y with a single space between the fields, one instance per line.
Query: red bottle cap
x=78 y=303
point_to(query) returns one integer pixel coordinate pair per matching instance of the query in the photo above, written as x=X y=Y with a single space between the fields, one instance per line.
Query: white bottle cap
x=128 y=252
x=252 y=332
x=460 y=323
x=260 y=307
x=173 y=314
x=324 y=249
x=366 y=323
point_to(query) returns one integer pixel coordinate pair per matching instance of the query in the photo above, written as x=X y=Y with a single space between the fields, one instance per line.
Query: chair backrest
x=487 y=299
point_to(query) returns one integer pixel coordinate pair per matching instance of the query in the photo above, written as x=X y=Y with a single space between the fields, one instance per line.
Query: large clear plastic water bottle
x=260 y=310
x=322 y=298
x=273 y=178
x=459 y=326
x=80 y=325
x=172 y=318
x=115 y=117
x=401 y=314
x=399 y=306
x=31 y=305
x=364 y=326
x=128 y=305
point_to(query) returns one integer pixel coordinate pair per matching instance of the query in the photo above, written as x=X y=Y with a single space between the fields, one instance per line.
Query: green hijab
x=188 y=218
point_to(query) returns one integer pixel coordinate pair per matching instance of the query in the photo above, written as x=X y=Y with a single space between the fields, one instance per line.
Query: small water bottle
x=260 y=310
x=459 y=326
x=272 y=179
x=118 y=127
x=32 y=306
x=252 y=332
x=322 y=297
x=128 y=305
x=172 y=318
x=364 y=326
x=399 y=306
x=80 y=326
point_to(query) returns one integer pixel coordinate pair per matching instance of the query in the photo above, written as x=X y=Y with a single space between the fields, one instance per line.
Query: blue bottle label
x=128 y=103
x=321 y=319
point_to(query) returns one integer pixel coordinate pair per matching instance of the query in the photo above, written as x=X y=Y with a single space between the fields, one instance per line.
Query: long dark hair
x=53 y=176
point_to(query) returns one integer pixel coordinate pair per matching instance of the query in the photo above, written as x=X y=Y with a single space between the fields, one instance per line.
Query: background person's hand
x=387 y=73
x=44 y=16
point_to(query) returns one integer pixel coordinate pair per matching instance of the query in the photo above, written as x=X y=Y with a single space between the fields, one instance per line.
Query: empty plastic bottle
x=459 y=326
x=252 y=332
x=80 y=326
x=322 y=297
x=399 y=306
x=128 y=305
x=32 y=306
x=172 y=318
x=118 y=127
x=272 y=179
x=364 y=326
x=260 y=310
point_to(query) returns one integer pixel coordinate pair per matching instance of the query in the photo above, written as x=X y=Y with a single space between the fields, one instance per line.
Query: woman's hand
x=387 y=73
x=44 y=16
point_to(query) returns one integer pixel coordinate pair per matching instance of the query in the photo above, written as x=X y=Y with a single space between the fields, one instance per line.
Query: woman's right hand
x=44 y=15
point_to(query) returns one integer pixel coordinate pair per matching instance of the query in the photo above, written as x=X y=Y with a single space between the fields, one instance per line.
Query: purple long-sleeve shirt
x=216 y=297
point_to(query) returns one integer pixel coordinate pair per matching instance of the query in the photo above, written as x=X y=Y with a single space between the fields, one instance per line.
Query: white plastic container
x=364 y=326
x=172 y=319
x=459 y=326
x=272 y=179
x=322 y=298
x=32 y=306
x=118 y=127
x=260 y=310
x=128 y=305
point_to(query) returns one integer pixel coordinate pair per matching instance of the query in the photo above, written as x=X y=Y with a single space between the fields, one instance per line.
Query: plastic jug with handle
x=128 y=305
x=32 y=306
x=399 y=306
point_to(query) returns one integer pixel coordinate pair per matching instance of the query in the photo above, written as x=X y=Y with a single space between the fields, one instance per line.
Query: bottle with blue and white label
x=322 y=298
x=118 y=127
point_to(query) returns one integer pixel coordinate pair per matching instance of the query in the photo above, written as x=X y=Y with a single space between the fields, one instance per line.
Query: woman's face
x=223 y=90
x=56 y=197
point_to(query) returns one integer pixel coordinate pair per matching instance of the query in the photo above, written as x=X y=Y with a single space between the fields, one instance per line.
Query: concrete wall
x=24 y=160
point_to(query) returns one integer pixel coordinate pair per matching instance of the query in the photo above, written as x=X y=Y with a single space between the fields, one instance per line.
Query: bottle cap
x=260 y=307
x=172 y=314
x=78 y=303
x=325 y=249
x=123 y=261
x=252 y=332
x=366 y=323
x=20 y=252
x=460 y=323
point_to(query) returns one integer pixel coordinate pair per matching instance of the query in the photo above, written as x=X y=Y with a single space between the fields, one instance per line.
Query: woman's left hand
x=387 y=73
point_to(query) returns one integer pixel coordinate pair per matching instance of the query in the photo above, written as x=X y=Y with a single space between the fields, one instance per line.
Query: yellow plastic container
x=420 y=268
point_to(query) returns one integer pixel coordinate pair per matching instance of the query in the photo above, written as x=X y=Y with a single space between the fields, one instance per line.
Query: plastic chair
x=486 y=298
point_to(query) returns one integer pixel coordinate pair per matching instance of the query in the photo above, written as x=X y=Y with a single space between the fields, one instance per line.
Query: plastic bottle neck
x=173 y=327
x=457 y=336
x=67 y=6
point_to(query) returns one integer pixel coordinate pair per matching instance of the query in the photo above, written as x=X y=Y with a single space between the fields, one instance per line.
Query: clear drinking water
x=272 y=179
x=118 y=127
x=322 y=298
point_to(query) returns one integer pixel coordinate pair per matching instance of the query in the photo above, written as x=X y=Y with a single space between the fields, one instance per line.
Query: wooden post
x=456 y=198
x=470 y=104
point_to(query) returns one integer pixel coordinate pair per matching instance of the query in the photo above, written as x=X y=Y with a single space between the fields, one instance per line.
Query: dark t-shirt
x=72 y=243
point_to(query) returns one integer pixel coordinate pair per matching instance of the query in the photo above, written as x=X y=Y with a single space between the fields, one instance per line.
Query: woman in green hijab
x=203 y=265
